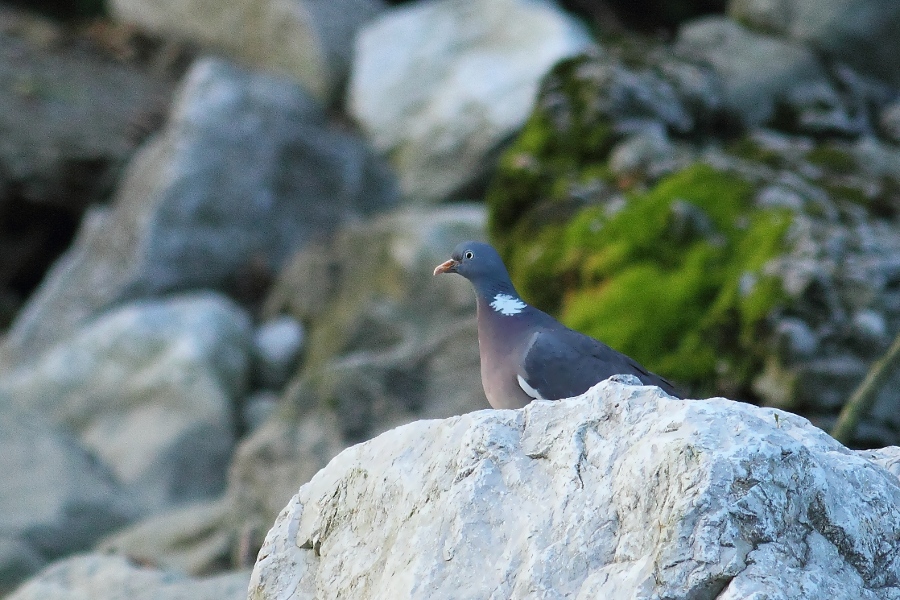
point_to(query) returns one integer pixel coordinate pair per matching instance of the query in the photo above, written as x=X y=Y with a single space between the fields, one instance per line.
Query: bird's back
x=561 y=363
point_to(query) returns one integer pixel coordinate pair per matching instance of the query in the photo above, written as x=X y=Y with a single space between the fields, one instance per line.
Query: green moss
x=832 y=158
x=687 y=305
x=749 y=149
x=563 y=144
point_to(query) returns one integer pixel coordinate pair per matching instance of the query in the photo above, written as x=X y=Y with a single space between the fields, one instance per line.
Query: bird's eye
x=469 y=255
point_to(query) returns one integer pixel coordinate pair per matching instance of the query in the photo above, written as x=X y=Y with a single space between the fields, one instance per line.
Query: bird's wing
x=560 y=363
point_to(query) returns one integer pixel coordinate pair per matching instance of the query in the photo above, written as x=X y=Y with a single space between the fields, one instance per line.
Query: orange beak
x=446 y=267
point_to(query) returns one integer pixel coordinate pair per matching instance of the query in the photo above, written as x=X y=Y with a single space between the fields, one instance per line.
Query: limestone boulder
x=623 y=492
x=150 y=389
x=438 y=86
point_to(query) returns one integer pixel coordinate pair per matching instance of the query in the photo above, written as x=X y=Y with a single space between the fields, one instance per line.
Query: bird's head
x=479 y=263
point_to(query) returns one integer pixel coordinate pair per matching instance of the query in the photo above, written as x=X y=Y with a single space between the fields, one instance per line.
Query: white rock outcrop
x=621 y=493
x=439 y=85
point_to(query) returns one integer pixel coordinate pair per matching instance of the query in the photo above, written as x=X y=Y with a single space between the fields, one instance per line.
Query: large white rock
x=149 y=388
x=439 y=85
x=621 y=493
x=309 y=39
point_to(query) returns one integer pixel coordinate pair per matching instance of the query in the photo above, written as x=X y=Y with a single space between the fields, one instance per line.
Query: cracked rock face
x=621 y=493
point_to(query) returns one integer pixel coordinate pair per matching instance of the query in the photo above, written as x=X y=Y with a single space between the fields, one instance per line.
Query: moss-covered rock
x=559 y=162
x=673 y=274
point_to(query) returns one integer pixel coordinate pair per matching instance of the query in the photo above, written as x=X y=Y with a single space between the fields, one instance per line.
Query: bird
x=526 y=354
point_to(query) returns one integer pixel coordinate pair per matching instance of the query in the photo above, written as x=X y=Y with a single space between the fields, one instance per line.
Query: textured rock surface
x=55 y=499
x=862 y=33
x=757 y=71
x=308 y=39
x=246 y=171
x=476 y=65
x=150 y=389
x=98 y=577
x=621 y=493
x=388 y=343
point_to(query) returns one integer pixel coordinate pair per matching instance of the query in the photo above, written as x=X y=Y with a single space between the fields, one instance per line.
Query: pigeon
x=526 y=354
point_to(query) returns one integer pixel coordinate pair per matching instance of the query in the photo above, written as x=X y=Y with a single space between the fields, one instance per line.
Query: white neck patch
x=507 y=305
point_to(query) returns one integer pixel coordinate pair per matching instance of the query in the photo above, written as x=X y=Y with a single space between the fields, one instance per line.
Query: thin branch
x=863 y=397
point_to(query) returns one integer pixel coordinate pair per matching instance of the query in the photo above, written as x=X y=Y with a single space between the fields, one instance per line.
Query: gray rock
x=819 y=110
x=767 y=16
x=796 y=339
x=288 y=449
x=310 y=40
x=438 y=86
x=757 y=71
x=862 y=33
x=194 y=539
x=875 y=157
x=70 y=119
x=889 y=122
x=642 y=152
x=150 y=389
x=245 y=173
x=116 y=578
x=257 y=408
x=56 y=498
x=870 y=327
x=276 y=346
x=388 y=344
x=840 y=272
x=621 y=493
x=67 y=116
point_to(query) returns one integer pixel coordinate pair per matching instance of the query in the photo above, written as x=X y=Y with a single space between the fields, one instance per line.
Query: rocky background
x=218 y=222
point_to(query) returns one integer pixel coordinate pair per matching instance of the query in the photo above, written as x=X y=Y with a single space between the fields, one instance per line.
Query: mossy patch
x=674 y=278
x=834 y=159
x=564 y=143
